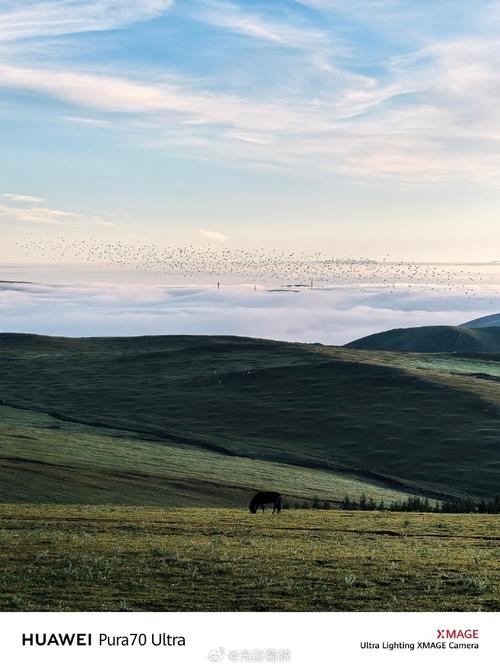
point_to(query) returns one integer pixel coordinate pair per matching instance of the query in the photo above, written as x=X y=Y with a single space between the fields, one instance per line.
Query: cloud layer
x=330 y=316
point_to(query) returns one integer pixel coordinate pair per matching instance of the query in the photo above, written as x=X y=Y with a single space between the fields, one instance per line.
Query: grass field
x=416 y=423
x=63 y=558
x=127 y=465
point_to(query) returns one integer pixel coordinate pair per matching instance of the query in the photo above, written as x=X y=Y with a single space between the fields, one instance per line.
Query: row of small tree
x=411 y=504
x=418 y=504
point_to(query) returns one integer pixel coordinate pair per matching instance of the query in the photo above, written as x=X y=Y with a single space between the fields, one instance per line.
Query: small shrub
x=349 y=579
x=159 y=552
x=15 y=602
x=476 y=584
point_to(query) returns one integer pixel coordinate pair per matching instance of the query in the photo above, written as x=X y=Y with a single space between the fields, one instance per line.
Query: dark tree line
x=411 y=504
x=418 y=504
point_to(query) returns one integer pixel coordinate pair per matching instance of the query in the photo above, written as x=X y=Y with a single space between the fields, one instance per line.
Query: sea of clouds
x=329 y=315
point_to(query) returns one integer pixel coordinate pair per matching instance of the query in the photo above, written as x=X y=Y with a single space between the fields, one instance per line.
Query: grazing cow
x=263 y=497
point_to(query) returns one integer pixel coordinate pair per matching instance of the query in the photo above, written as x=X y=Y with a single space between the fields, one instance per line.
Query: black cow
x=263 y=497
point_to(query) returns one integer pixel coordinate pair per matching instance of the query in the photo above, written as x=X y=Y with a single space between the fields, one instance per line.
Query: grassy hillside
x=433 y=339
x=487 y=321
x=82 y=558
x=426 y=423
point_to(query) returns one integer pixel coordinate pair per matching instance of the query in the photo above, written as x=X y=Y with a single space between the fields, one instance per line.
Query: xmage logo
x=458 y=634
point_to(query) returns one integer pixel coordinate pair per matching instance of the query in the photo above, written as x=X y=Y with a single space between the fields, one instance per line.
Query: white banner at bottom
x=295 y=639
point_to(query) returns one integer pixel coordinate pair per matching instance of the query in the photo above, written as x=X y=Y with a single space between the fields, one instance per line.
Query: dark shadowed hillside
x=421 y=423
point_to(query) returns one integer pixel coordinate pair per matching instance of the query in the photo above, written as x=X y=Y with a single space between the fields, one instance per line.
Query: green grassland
x=92 y=558
x=127 y=465
x=400 y=422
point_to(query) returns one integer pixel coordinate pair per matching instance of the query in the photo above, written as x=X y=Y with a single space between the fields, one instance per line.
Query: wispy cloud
x=233 y=17
x=432 y=116
x=96 y=122
x=32 y=199
x=40 y=215
x=423 y=109
x=359 y=7
x=210 y=235
x=119 y=94
x=52 y=17
x=381 y=11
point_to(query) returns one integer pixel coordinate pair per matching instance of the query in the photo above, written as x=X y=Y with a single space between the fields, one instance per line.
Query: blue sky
x=360 y=127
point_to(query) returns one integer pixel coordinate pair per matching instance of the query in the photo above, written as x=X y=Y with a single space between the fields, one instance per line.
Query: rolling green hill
x=486 y=321
x=433 y=339
x=203 y=420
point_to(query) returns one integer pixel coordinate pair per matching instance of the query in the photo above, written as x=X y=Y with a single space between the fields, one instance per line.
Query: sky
x=358 y=127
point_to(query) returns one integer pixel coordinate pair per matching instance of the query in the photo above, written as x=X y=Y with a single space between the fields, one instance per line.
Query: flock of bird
x=289 y=269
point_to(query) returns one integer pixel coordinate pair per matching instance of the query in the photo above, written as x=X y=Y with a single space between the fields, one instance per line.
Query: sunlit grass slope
x=50 y=461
